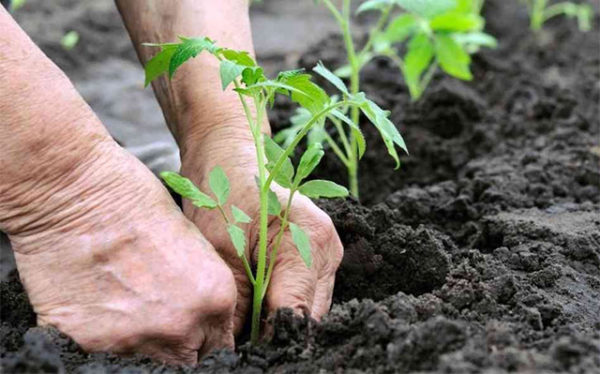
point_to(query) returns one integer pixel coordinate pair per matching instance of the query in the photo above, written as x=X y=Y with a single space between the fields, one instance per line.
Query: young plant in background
x=434 y=32
x=256 y=91
x=540 y=12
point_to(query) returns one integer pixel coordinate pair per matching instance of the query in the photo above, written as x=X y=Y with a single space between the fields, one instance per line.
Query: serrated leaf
x=284 y=75
x=274 y=204
x=187 y=189
x=309 y=161
x=252 y=74
x=286 y=172
x=239 y=216
x=452 y=58
x=418 y=57
x=229 y=71
x=219 y=184
x=373 y=5
x=310 y=95
x=238 y=238
x=239 y=57
x=318 y=188
x=159 y=64
x=456 y=21
x=426 y=8
x=189 y=48
x=399 y=29
x=389 y=133
x=332 y=78
x=302 y=243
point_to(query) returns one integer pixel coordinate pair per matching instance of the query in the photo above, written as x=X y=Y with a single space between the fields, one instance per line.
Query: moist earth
x=481 y=254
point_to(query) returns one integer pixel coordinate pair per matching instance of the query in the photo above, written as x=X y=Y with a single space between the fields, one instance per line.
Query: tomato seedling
x=437 y=33
x=540 y=12
x=254 y=89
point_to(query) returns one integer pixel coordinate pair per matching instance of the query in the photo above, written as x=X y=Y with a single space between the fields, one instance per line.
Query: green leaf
x=239 y=57
x=309 y=161
x=456 y=21
x=476 y=38
x=302 y=243
x=284 y=75
x=229 y=71
x=159 y=64
x=310 y=95
x=239 y=216
x=418 y=57
x=427 y=8
x=238 y=238
x=189 y=48
x=389 y=133
x=400 y=28
x=187 y=189
x=219 y=184
x=373 y=5
x=286 y=171
x=318 y=188
x=253 y=74
x=452 y=58
x=70 y=40
x=274 y=204
x=332 y=78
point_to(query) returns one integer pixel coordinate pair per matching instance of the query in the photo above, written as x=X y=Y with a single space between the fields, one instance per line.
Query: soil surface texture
x=481 y=254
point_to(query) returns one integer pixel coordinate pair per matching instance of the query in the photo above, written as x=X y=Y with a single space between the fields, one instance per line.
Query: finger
x=244 y=290
x=326 y=281
x=292 y=282
x=323 y=295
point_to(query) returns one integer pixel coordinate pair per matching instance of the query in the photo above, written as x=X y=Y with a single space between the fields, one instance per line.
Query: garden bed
x=481 y=252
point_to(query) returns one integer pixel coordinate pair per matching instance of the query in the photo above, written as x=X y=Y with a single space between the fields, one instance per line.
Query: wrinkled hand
x=306 y=290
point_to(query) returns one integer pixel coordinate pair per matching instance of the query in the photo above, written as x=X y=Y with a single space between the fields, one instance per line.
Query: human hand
x=306 y=290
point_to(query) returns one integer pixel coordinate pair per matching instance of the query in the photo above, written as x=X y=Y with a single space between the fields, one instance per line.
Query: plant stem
x=343 y=20
x=354 y=87
x=263 y=225
x=277 y=243
x=385 y=15
x=537 y=14
x=341 y=133
x=301 y=134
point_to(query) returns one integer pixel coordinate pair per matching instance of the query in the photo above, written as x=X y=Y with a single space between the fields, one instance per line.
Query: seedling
x=254 y=89
x=435 y=32
x=540 y=12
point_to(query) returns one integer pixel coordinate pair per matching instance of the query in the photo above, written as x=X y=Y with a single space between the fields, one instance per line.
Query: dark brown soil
x=481 y=254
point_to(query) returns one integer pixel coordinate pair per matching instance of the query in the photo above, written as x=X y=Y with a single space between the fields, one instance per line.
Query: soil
x=481 y=254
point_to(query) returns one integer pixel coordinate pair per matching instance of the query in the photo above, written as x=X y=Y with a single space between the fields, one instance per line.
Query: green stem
x=343 y=19
x=354 y=87
x=301 y=134
x=340 y=129
x=277 y=243
x=263 y=225
x=537 y=14
x=385 y=15
x=336 y=149
x=243 y=256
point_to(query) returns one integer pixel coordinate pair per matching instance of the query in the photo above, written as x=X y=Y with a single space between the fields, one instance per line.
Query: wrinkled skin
x=306 y=290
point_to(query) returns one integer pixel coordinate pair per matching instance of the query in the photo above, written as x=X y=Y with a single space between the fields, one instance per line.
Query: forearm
x=46 y=130
x=193 y=101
